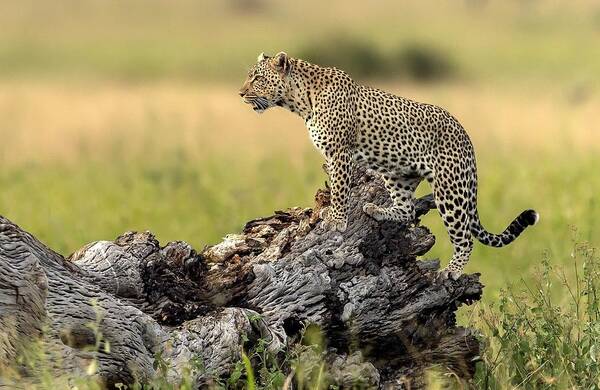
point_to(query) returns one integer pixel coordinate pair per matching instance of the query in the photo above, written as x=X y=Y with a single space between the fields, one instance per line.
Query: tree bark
x=384 y=316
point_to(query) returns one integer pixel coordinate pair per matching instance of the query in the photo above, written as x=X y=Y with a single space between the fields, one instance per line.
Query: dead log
x=384 y=316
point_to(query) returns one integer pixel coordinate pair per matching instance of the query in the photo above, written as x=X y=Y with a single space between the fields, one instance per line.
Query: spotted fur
x=405 y=141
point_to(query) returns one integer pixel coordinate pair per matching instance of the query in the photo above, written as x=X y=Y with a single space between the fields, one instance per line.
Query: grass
x=211 y=39
x=538 y=339
x=66 y=206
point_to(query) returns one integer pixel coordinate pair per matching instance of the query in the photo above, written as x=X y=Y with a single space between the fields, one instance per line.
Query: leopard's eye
x=258 y=80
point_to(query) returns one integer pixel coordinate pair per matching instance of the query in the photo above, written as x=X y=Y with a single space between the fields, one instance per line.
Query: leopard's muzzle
x=259 y=104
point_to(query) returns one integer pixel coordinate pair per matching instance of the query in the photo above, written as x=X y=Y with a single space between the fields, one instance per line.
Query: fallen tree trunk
x=383 y=315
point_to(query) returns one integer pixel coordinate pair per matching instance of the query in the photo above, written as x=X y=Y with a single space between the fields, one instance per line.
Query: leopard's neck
x=306 y=83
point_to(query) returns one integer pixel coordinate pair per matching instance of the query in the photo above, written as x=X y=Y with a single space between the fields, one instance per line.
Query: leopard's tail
x=514 y=230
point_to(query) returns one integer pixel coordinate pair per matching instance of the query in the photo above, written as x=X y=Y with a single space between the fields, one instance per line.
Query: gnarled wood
x=384 y=316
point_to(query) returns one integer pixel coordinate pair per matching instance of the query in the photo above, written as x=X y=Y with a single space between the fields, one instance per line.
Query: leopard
x=402 y=140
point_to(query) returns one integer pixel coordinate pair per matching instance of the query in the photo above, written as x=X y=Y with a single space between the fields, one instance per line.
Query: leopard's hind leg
x=453 y=206
x=401 y=190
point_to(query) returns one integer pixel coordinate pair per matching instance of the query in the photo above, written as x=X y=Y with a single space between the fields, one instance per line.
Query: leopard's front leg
x=339 y=166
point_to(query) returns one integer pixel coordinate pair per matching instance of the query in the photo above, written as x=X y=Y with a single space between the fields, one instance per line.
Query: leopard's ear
x=281 y=63
x=261 y=57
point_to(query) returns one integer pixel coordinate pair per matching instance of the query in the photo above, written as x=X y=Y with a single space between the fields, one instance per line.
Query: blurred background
x=124 y=115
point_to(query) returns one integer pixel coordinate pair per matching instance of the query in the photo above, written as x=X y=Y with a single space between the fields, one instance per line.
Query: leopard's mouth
x=259 y=104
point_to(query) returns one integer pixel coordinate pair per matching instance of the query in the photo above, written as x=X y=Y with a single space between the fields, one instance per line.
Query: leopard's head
x=267 y=82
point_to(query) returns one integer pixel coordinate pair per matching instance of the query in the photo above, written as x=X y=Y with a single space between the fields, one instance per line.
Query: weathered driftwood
x=383 y=314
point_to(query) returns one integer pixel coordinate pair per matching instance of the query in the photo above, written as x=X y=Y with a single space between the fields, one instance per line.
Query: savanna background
x=124 y=115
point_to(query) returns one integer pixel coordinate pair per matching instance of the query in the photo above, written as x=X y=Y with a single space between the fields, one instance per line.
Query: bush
x=356 y=57
x=423 y=63
x=359 y=58
x=534 y=342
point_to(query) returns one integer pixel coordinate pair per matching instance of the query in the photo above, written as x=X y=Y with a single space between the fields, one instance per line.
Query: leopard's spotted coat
x=405 y=141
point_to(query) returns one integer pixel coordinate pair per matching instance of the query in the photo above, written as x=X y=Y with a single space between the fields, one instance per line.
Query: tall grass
x=543 y=332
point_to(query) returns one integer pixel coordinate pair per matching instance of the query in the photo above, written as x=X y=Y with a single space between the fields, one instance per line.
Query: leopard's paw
x=373 y=211
x=448 y=273
x=333 y=223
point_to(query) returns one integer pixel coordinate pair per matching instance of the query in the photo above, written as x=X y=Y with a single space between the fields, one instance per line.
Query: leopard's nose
x=242 y=93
